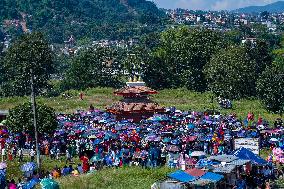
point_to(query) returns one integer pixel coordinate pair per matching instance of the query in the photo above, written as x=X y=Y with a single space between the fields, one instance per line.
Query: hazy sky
x=210 y=4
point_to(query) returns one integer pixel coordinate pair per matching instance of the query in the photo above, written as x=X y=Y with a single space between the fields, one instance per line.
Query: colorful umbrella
x=49 y=184
x=30 y=166
x=3 y=165
x=173 y=148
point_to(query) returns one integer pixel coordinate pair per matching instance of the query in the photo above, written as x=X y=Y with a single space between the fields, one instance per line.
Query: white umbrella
x=3 y=165
x=198 y=153
x=273 y=140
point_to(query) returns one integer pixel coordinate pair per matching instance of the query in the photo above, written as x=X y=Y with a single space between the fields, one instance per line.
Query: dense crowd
x=172 y=139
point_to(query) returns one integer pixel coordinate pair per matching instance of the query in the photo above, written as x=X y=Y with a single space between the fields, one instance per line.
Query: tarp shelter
x=239 y=162
x=246 y=154
x=212 y=177
x=181 y=176
x=195 y=172
x=169 y=184
x=224 y=158
x=224 y=169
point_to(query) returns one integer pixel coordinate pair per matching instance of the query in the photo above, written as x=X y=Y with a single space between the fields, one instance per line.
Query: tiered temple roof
x=135 y=102
x=133 y=91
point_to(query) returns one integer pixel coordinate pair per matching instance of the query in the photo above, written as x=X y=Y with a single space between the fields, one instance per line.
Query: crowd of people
x=99 y=140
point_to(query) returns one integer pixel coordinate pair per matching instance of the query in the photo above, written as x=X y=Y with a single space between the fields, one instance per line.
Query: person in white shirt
x=3 y=153
x=20 y=154
x=32 y=154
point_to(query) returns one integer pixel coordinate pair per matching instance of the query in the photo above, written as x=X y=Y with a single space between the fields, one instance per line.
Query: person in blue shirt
x=240 y=184
x=80 y=168
x=65 y=171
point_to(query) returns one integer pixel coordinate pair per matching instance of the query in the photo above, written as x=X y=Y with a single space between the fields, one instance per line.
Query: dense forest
x=95 y=19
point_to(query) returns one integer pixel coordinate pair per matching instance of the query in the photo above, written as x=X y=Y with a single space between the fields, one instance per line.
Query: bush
x=20 y=119
x=270 y=88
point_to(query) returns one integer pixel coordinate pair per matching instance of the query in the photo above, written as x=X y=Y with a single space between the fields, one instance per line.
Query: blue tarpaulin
x=246 y=154
x=212 y=176
x=181 y=176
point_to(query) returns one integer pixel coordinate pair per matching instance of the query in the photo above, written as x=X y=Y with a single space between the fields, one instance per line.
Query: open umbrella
x=92 y=137
x=273 y=140
x=30 y=166
x=3 y=165
x=197 y=153
x=31 y=184
x=166 y=140
x=173 y=148
x=175 y=142
x=49 y=184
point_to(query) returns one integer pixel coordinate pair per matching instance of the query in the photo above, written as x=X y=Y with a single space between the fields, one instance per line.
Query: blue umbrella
x=97 y=141
x=31 y=184
x=166 y=140
x=175 y=142
x=191 y=126
x=30 y=166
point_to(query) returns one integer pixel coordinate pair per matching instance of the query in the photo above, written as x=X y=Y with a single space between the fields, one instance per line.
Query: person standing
x=32 y=154
x=85 y=161
x=3 y=154
x=20 y=154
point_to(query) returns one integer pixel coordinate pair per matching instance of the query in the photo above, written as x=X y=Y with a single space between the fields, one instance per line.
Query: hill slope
x=97 y=19
x=273 y=7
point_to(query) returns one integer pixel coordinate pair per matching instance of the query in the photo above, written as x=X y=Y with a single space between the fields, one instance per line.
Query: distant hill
x=273 y=7
x=95 y=19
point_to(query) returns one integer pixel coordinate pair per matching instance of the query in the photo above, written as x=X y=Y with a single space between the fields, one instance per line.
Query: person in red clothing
x=85 y=161
x=81 y=96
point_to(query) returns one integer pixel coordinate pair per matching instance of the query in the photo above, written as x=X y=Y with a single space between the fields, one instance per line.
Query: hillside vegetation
x=96 y=19
x=273 y=7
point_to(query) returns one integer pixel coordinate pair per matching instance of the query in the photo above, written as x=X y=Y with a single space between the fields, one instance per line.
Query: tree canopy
x=231 y=73
x=20 y=119
x=270 y=88
x=93 y=68
x=179 y=59
x=29 y=52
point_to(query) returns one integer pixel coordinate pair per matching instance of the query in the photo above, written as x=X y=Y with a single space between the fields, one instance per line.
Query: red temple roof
x=134 y=107
x=135 y=91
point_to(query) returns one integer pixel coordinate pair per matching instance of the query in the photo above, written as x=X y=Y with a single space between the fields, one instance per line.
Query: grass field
x=122 y=178
x=107 y=178
x=181 y=98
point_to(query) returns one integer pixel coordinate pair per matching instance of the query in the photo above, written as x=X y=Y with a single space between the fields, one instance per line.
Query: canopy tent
x=239 y=162
x=224 y=158
x=246 y=154
x=212 y=176
x=181 y=176
x=224 y=169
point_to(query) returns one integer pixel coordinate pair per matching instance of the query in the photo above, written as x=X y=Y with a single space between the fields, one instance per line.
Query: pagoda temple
x=136 y=104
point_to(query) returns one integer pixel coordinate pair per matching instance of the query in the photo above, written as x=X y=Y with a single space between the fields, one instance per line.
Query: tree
x=260 y=53
x=231 y=73
x=30 y=51
x=20 y=119
x=270 y=88
x=96 y=67
x=181 y=56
